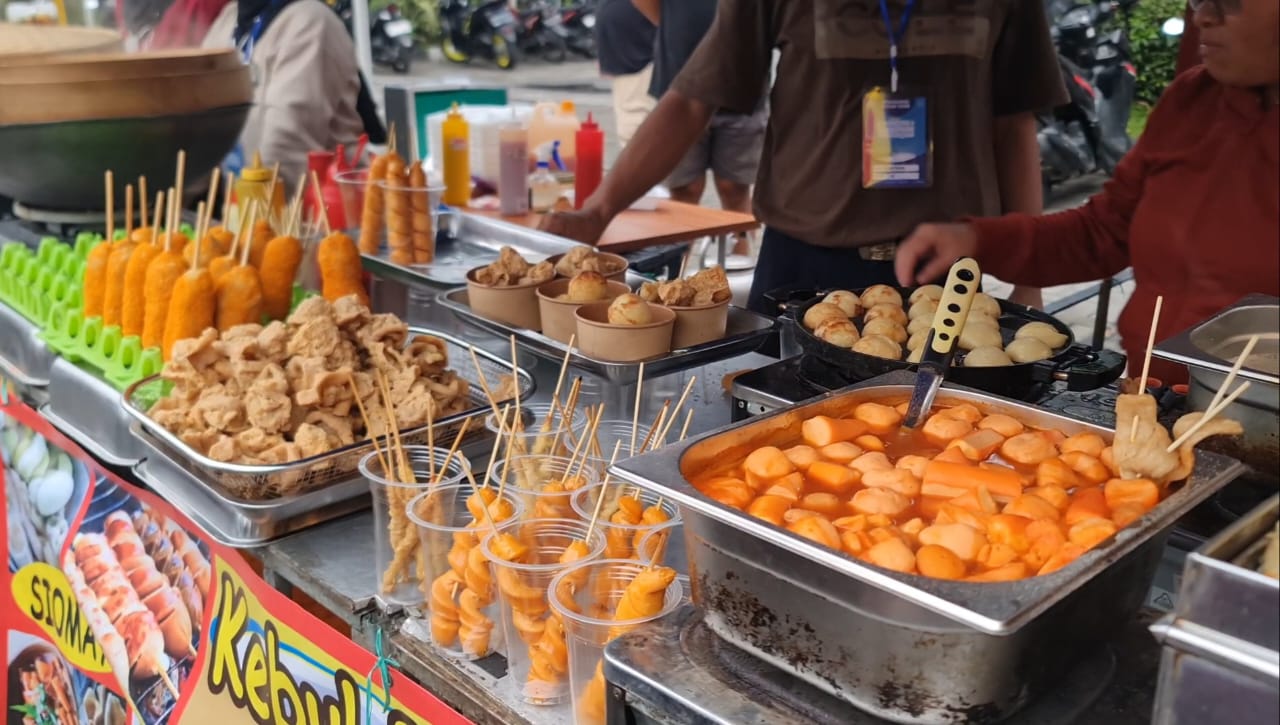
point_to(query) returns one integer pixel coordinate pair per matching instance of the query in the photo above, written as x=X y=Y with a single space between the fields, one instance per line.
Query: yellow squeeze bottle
x=457 y=158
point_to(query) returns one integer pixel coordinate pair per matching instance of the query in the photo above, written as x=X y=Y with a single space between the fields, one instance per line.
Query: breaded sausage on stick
x=94 y=288
x=238 y=292
x=162 y=274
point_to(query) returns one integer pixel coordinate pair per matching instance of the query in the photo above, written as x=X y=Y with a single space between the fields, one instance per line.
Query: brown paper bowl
x=698 y=325
x=623 y=343
x=516 y=306
x=619 y=276
x=558 y=321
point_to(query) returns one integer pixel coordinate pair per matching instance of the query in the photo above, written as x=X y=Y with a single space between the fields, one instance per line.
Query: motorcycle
x=542 y=33
x=390 y=35
x=489 y=30
x=580 y=23
x=1090 y=133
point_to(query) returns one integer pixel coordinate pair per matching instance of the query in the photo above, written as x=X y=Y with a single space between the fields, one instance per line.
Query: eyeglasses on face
x=1222 y=8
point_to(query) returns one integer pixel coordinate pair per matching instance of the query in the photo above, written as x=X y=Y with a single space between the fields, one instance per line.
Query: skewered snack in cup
x=1042 y=331
x=981 y=498
x=848 y=302
x=601 y=338
x=587 y=259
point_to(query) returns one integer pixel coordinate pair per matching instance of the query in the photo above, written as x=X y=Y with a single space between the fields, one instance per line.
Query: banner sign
x=117 y=611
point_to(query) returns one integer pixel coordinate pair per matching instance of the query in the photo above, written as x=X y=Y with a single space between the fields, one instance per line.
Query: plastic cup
x=398 y=576
x=462 y=605
x=612 y=432
x=585 y=596
x=664 y=545
x=621 y=538
x=533 y=440
x=432 y=199
x=545 y=484
x=537 y=659
x=351 y=188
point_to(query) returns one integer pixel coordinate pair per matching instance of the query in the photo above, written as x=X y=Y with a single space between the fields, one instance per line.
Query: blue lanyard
x=255 y=32
x=895 y=38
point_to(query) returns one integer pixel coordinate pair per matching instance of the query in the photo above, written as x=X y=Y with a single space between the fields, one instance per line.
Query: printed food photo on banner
x=141 y=581
x=44 y=689
x=44 y=488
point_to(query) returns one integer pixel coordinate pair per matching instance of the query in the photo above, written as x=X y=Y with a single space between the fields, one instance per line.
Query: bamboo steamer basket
x=34 y=70
x=27 y=42
x=124 y=98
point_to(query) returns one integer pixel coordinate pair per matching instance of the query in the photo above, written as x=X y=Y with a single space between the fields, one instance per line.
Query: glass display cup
x=664 y=545
x=396 y=547
x=533 y=440
x=351 y=190
x=621 y=537
x=611 y=432
x=462 y=603
x=537 y=657
x=410 y=235
x=545 y=483
x=585 y=596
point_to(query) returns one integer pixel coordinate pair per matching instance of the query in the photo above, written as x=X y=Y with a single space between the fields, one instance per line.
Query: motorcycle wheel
x=555 y=51
x=452 y=52
x=401 y=65
x=502 y=53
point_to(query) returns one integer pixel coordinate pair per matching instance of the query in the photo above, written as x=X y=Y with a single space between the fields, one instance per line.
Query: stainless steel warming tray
x=907 y=648
x=231 y=481
x=24 y=358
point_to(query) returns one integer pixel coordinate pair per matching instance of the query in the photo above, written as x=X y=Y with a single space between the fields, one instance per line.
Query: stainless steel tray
x=237 y=523
x=902 y=647
x=1214 y=344
x=475 y=241
x=334 y=467
x=88 y=410
x=24 y=358
x=745 y=331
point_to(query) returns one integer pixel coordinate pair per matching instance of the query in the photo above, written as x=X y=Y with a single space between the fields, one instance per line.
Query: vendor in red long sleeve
x=1194 y=208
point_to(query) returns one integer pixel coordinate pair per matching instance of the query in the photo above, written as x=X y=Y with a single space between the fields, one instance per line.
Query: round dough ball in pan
x=880 y=294
x=976 y=336
x=847 y=301
x=886 y=328
x=985 y=304
x=841 y=333
x=923 y=308
x=886 y=312
x=916 y=355
x=1042 y=331
x=986 y=357
x=878 y=346
x=1027 y=350
x=822 y=312
x=919 y=323
x=927 y=292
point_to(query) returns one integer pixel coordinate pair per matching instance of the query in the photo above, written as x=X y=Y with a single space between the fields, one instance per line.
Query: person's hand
x=926 y=255
x=585 y=225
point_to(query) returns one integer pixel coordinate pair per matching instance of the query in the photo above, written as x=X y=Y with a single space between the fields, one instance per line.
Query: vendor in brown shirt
x=982 y=66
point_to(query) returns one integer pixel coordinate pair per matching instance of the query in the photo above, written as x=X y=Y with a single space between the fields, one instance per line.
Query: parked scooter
x=580 y=23
x=542 y=33
x=488 y=31
x=1089 y=133
x=390 y=35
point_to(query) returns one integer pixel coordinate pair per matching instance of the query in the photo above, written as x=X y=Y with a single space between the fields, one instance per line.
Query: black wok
x=1081 y=367
x=59 y=166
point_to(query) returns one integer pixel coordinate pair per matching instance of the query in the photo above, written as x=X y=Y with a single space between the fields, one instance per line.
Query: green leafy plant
x=424 y=14
x=1154 y=54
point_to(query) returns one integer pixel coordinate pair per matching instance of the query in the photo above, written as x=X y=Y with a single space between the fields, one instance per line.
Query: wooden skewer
x=1235 y=370
x=578 y=448
x=271 y=193
x=200 y=228
x=567 y=415
x=675 y=412
x=484 y=383
x=652 y=430
x=506 y=467
x=453 y=449
x=604 y=488
x=142 y=200
x=431 y=444
x=320 y=208
x=109 y=181
x=684 y=429
x=226 y=202
x=247 y=245
x=591 y=435
x=635 y=416
x=171 y=214
x=168 y=685
x=655 y=436
x=294 y=221
x=1208 y=416
x=159 y=210
x=128 y=211
x=210 y=200
x=497 y=444
x=1146 y=361
x=515 y=380
x=564 y=370
x=179 y=177
x=364 y=416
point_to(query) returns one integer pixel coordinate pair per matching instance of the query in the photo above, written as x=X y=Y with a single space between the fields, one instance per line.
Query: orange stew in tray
x=968 y=496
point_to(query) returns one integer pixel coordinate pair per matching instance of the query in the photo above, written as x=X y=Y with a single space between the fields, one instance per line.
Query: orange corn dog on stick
x=280 y=265
x=398 y=214
x=239 y=295
x=262 y=235
x=340 y=268
x=133 y=314
x=191 y=308
x=371 y=214
x=95 y=279
x=113 y=297
x=424 y=242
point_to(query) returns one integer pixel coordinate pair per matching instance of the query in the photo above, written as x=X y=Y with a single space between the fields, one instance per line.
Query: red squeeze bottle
x=590 y=169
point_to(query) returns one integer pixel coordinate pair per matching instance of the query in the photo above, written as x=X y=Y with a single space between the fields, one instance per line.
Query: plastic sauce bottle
x=590 y=143
x=513 y=178
x=544 y=190
x=457 y=158
x=252 y=186
x=550 y=123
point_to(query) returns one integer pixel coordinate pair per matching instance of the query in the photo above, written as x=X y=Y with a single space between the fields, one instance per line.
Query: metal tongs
x=939 y=346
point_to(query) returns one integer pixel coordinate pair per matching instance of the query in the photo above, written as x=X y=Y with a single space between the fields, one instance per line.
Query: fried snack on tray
x=270 y=395
x=587 y=259
x=708 y=287
x=512 y=270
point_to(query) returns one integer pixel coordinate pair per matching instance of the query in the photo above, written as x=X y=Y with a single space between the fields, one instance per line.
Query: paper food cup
x=516 y=306
x=623 y=343
x=558 y=322
x=698 y=325
x=619 y=276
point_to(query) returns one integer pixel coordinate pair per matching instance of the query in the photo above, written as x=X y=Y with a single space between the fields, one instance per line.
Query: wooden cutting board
x=44 y=40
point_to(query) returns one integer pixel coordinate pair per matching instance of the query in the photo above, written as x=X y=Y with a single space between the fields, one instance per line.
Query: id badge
x=897 y=149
